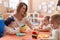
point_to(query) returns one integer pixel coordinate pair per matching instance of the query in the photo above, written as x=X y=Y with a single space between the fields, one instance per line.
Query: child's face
x=45 y=22
x=12 y=24
x=54 y=25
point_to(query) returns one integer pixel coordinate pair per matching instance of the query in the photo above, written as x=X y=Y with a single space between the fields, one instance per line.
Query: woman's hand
x=28 y=23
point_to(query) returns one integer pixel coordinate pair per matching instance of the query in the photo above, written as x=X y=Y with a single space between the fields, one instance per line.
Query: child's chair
x=1 y=27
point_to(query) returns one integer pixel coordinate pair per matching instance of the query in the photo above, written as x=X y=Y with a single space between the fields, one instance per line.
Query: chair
x=1 y=27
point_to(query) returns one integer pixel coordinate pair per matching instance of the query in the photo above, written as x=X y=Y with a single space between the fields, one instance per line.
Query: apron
x=22 y=26
x=18 y=23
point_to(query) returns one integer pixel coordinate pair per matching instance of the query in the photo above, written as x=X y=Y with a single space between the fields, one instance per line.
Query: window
x=25 y=1
x=13 y=3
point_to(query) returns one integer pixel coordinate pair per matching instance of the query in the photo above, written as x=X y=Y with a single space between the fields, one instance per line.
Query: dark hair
x=58 y=3
x=47 y=18
x=8 y=21
x=56 y=18
x=20 y=6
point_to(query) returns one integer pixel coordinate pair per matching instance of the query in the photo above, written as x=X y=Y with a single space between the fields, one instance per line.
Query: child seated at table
x=55 y=21
x=46 y=26
x=11 y=29
x=55 y=33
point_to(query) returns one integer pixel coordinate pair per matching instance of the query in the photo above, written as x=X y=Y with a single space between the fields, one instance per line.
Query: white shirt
x=15 y=30
x=55 y=34
x=9 y=30
x=48 y=26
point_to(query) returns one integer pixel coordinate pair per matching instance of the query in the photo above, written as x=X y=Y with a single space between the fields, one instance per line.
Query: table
x=28 y=36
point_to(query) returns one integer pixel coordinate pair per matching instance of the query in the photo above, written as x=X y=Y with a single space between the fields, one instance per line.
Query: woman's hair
x=8 y=21
x=21 y=4
x=47 y=18
x=56 y=18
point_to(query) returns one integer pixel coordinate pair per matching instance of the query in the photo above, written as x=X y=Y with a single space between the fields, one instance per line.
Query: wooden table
x=28 y=36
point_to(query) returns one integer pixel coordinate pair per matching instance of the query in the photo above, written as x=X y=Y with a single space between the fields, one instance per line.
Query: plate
x=20 y=34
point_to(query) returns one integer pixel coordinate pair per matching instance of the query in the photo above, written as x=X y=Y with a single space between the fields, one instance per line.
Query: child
x=55 y=20
x=11 y=29
x=46 y=24
x=55 y=33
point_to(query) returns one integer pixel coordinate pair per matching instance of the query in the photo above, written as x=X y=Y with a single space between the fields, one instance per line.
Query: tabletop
x=28 y=36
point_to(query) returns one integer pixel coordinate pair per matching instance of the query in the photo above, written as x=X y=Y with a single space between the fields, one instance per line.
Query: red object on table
x=34 y=32
x=14 y=37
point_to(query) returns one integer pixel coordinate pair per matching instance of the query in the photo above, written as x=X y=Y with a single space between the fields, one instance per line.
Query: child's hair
x=47 y=18
x=8 y=21
x=56 y=18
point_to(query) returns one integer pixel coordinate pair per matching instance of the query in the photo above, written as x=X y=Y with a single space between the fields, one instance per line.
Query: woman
x=20 y=17
x=21 y=14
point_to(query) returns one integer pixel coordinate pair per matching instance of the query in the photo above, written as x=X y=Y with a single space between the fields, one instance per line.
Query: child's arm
x=9 y=30
x=54 y=36
x=45 y=30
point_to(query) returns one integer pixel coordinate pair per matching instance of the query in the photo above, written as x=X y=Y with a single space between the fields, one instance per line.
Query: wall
x=3 y=8
x=35 y=4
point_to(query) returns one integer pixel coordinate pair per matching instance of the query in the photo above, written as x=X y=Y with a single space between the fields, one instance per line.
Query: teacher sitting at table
x=20 y=19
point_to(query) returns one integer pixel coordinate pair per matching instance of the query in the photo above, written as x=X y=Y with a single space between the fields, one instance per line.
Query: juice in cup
x=23 y=29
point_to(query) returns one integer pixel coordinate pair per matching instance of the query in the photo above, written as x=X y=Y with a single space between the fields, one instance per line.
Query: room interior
x=37 y=10
x=38 y=7
x=33 y=5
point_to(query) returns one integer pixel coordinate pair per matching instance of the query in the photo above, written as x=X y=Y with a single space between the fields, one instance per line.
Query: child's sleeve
x=54 y=35
x=11 y=30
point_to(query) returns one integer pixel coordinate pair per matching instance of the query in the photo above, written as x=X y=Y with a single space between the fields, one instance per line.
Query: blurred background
x=36 y=8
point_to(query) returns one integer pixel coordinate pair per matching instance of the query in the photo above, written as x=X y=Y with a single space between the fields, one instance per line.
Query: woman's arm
x=28 y=23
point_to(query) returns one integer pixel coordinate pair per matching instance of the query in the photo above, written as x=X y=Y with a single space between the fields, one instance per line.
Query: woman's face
x=22 y=10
